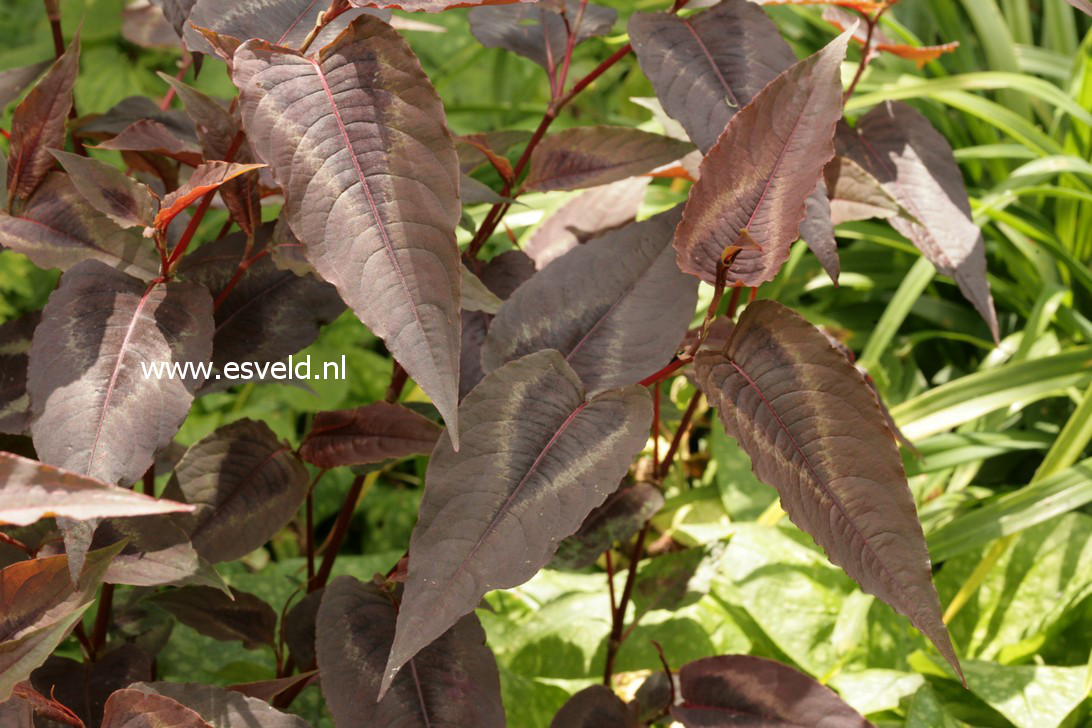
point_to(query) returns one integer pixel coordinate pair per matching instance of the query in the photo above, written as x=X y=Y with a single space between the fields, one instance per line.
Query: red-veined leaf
x=453 y=681
x=206 y=178
x=226 y=617
x=121 y=198
x=615 y=308
x=145 y=25
x=619 y=517
x=130 y=708
x=747 y=690
x=539 y=31
x=14 y=81
x=855 y=194
x=755 y=181
x=38 y=125
x=594 y=707
x=369 y=434
x=431 y=6
x=814 y=430
x=84 y=687
x=538 y=455
x=157 y=552
x=588 y=156
x=357 y=140
x=94 y=410
x=221 y=707
x=154 y=137
x=16 y=336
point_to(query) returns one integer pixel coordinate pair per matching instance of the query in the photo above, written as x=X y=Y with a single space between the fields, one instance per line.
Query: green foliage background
x=1003 y=476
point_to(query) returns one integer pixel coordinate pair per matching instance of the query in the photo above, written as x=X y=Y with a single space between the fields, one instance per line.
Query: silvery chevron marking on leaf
x=758 y=176
x=538 y=456
x=356 y=138
x=815 y=431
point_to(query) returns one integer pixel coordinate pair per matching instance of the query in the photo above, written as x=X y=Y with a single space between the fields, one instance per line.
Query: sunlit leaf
x=619 y=517
x=206 y=178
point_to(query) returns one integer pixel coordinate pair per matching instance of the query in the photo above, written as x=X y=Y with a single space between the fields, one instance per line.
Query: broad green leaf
x=873 y=691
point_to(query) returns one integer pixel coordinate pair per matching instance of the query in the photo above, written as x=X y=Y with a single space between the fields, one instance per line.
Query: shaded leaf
x=1085 y=6
x=299 y=628
x=145 y=25
x=84 y=687
x=540 y=456
x=474 y=149
x=14 y=81
x=16 y=336
x=154 y=137
x=453 y=681
x=17 y=713
x=588 y=156
x=127 y=113
x=133 y=709
x=756 y=179
x=537 y=31
x=855 y=194
x=741 y=689
x=356 y=138
x=476 y=296
x=593 y=213
x=240 y=616
x=673 y=580
x=594 y=707
x=246 y=485
x=506 y=272
x=47 y=710
x=157 y=553
x=369 y=434
x=38 y=125
x=94 y=410
x=616 y=308
x=267 y=690
x=914 y=162
x=59 y=228
x=654 y=696
x=223 y=708
x=177 y=12
x=118 y=196
x=814 y=430
x=817 y=230
x=206 y=178
x=619 y=517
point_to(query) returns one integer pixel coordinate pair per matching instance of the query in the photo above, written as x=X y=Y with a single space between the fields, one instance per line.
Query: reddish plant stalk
x=684 y=427
x=102 y=620
x=341 y=527
x=398 y=382
x=236 y=277
x=10 y=541
x=168 y=97
x=618 y=623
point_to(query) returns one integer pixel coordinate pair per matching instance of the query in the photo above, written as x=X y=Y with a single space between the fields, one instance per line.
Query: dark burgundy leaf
x=369 y=434
x=814 y=430
x=453 y=681
x=148 y=135
x=38 y=125
x=653 y=697
x=157 y=553
x=538 y=31
x=587 y=156
x=475 y=325
x=129 y=111
x=855 y=194
x=673 y=580
x=246 y=485
x=14 y=81
x=476 y=296
x=588 y=216
x=817 y=230
x=594 y=707
x=743 y=690
x=223 y=708
x=538 y=456
x=914 y=162
x=356 y=138
x=59 y=228
x=240 y=616
x=206 y=178
x=14 y=404
x=473 y=192
x=145 y=25
x=621 y=515
x=756 y=179
x=84 y=687
x=506 y=272
x=616 y=308
x=48 y=711
x=121 y=198
x=267 y=690
x=94 y=410
x=299 y=628
x=134 y=709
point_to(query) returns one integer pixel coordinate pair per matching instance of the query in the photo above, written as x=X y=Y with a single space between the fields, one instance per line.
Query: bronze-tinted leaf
x=369 y=434
x=116 y=195
x=756 y=179
x=154 y=137
x=814 y=431
x=616 y=308
x=240 y=616
x=206 y=178
x=588 y=216
x=38 y=125
x=246 y=485
x=707 y=66
x=133 y=709
x=30 y=490
x=817 y=230
x=506 y=272
x=746 y=690
x=298 y=628
x=453 y=681
x=430 y=6
x=472 y=148
x=673 y=580
x=617 y=520
x=855 y=194
x=538 y=455
x=14 y=81
x=177 y=12
x=157 y=552
x=538 y=31
x=221 y=707
x=594 y=707
x=84 y=687
x=914 y=162
x=145 y=25
x=16 y=336
x=18 y=710
x=357 y=140
x=127 y=112
x=59 y=228
x=588 y=156
x=267 y=690
x=476 y=296
x=95 y=411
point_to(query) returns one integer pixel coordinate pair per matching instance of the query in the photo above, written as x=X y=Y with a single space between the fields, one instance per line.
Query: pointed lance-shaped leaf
x=914 y=162
x=817 y=231
x=369 y=434
x=221 y=707
x=121 y=198
x=540 y=31
x=16 y=336
x=59 y=228
x=617 y=520
x=157 y=552
x=239 y=616
x=206 y=178
x=85 y=687
x=616 y=308
x=755 y=181
x=14 y=81
x=453 y=681
x=38 y=125
x=588 y=156
x=855 y=194
x=130 y=708
x=154 y=137
x=95 y=410
x=538 y=456
x=357 y=140
x=878 y=40
x=246 y=485
x=594 y=707
x=30 y=491
x=747 y=690
x=815 y=431
x=430 y=6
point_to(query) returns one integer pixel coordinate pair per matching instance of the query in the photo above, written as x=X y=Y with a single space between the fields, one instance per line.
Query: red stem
x=665 y=372
x=617 y=636
x=341 y=527
x=4 y=538
x=169 y=96
x=102 y=620
x=684 y=426
x=236 y=277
